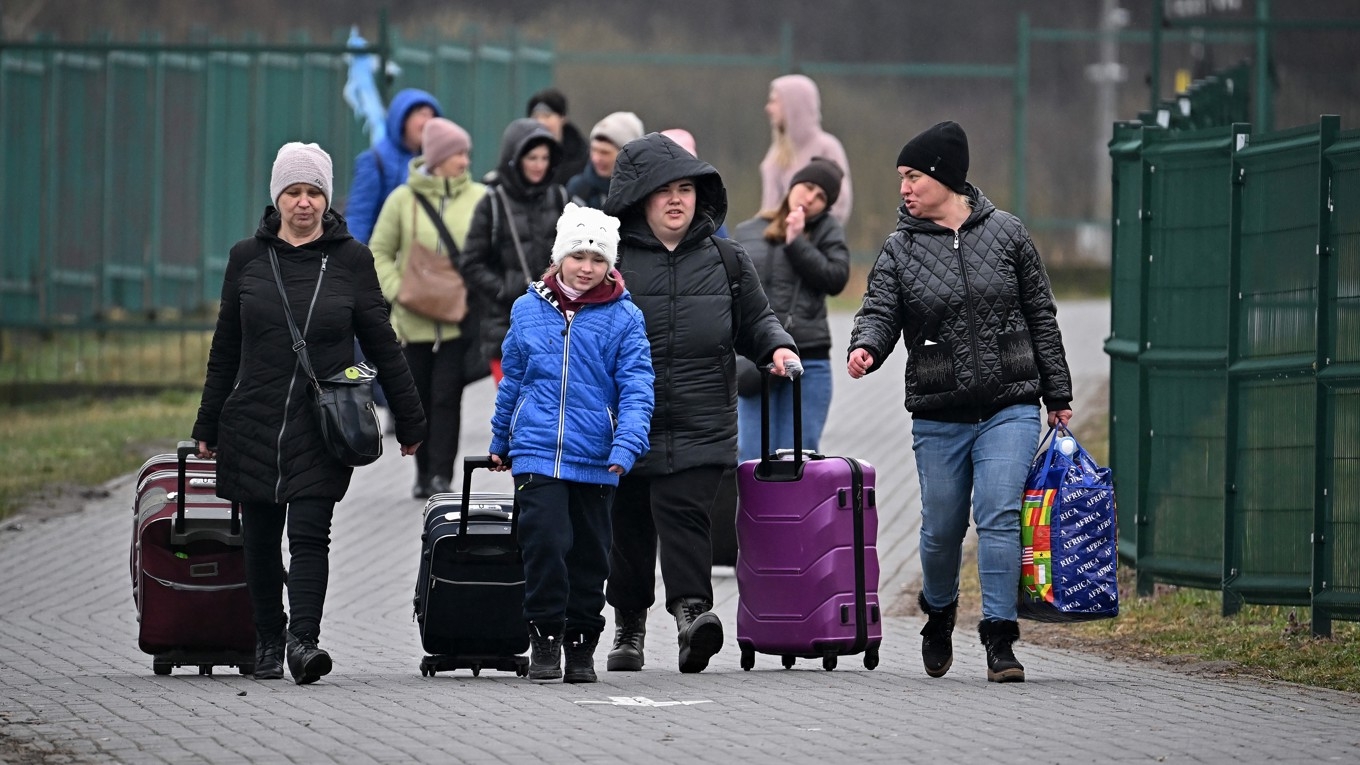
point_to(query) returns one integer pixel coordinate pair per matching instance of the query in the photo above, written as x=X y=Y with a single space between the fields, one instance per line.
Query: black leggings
x=439 y=381
x=309 y=541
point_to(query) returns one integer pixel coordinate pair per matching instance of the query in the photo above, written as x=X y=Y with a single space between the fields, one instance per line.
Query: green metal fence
x=1235 y=362
x=127 y=170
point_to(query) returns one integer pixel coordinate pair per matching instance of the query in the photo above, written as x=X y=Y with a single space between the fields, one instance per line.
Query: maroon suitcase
x=188 y=568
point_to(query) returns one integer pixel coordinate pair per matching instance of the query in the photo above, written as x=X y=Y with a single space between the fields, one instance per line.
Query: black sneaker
x=581 y=660
x=545 y=655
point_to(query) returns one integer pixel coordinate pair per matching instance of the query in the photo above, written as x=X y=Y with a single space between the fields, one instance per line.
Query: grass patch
x=58 y=448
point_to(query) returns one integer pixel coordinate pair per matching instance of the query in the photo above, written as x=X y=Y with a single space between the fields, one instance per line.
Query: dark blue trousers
x=564 y=532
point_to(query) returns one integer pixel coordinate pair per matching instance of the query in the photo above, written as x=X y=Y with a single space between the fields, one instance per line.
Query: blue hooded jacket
x=576 y=396
x=382 y=168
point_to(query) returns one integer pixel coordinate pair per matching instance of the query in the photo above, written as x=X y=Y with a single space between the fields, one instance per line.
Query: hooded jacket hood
x=333 y=227
x=652 y=161
x=519 y=138
x=802 y=104
x=397 y=111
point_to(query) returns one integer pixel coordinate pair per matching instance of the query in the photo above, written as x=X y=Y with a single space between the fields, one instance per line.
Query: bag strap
x=299 y=344
x=444 y=235
x=729 y=259
x=514 y=234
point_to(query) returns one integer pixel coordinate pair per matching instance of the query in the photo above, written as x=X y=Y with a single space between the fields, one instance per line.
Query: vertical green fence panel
x=533 y=72
x=453 y=77
x=1184 y=357
x=22 y=76
x=1126 y=299
x=278 y=89
x=75 y=199
x=179 y=274
x=231 y=205
x=1338 y=591
x=335 y=127
x=1273 y=389
x=495 y=104
x=128 y=141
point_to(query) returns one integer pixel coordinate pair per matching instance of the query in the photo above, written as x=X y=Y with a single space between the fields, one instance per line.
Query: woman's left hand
x=408 y=450
x=1060 y=415
x=783 y=356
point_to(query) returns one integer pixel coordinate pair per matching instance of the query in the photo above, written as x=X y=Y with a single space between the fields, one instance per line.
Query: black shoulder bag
x=343 y=404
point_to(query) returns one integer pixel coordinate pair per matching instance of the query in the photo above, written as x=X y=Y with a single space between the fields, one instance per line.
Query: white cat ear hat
x=585 y=229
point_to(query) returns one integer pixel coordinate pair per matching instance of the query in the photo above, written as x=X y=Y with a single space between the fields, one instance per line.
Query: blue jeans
x=816 y=403
x=987 y=462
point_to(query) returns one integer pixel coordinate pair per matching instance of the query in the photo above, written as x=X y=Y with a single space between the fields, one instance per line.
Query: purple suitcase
x=807 y=561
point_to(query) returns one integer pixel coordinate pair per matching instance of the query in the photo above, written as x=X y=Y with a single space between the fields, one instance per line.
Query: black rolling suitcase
x=469 y=601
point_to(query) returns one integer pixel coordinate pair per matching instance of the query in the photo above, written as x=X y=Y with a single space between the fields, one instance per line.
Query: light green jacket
x=402 y=221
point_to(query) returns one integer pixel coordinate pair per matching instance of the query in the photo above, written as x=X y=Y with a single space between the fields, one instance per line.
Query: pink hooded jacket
x=803 y=122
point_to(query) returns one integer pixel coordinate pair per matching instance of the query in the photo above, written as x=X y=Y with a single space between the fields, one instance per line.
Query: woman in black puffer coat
x=255 y=416
x=962 y=284
x=522 y=203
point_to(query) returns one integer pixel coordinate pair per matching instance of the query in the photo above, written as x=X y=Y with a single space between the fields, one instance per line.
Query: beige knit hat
x=300 y=163
x=585 y=229
x=618 y=128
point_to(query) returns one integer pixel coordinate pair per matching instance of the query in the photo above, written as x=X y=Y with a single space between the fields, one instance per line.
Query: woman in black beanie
x=963 y=286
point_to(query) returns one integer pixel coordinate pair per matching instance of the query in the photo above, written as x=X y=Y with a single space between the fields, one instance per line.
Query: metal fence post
x=1329 y=129
x=1018 y=202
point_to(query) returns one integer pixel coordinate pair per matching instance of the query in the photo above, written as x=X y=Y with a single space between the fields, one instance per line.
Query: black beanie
x=551 y=98
x=823 y=172
x=940 y=151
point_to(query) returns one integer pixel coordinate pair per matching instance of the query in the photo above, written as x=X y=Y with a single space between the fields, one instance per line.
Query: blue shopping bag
x=1068 y=535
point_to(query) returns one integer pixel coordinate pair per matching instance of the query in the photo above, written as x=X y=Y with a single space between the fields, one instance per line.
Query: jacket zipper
x=562 y=400
x=972 y=313
x=292 y=382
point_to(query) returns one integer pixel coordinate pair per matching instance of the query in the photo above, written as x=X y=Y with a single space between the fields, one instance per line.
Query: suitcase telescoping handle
x=184 y=449
x=795 y=371
x=470 y=464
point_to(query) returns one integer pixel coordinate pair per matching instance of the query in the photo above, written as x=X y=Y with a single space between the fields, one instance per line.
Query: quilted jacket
x=975 y=311
x=577 y=395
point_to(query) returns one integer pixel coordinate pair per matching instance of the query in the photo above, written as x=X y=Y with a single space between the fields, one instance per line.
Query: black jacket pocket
x=933 y=367
x=1017 y=357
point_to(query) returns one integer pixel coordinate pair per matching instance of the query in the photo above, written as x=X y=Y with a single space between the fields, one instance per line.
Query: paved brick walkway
x=74 y=687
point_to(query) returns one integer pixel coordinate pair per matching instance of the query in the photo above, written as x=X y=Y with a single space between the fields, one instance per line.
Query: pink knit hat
x=441 y=139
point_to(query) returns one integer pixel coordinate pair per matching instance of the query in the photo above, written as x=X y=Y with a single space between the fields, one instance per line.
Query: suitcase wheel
x=427 y=668
x=205 y=669
x=161 y=667
x=247 y=669
x=748 y=658
x=521 y=666
x=870 y=658
x=829 y=662
x=788 y=662
x=476 y=669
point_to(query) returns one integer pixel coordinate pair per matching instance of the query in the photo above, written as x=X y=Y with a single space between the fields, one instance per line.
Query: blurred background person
x=589 y=187
x=796 y=136
x=799 y=251
x=549 y=107
x=509 y=243
x=435 y=352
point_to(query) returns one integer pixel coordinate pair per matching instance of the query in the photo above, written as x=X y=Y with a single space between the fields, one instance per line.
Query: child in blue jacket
x=572 y=415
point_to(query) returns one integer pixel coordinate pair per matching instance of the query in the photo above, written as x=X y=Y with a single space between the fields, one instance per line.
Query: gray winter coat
x=975 y=312
x=687 y=302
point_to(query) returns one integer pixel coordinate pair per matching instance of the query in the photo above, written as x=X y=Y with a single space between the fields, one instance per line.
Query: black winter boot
x=629 y=633
x=306 y=662
x=581 y=659
x=545 y=654
x=701 y=633
x=997 y=637
x=269 y=653
x=937 y=641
